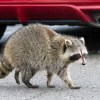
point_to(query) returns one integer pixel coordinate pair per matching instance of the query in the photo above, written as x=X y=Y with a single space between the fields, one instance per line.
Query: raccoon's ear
x=82 y=40
x=68 y=43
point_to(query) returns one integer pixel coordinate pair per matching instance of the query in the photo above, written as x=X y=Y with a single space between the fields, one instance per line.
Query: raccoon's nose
x=83 y=61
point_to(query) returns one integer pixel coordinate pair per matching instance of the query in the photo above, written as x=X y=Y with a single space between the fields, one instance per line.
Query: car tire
x=2 y=30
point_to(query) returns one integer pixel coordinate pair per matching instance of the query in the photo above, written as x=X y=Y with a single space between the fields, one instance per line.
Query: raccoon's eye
x=75 y=57
x=64 y=48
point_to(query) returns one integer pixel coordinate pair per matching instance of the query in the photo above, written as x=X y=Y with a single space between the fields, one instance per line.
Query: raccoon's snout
x=75 y=57
x=83 y=61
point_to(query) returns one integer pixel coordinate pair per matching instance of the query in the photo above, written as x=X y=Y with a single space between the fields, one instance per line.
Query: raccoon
x=37 y=47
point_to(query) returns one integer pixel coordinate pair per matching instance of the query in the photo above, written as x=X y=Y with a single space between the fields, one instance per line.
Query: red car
x=72 y=12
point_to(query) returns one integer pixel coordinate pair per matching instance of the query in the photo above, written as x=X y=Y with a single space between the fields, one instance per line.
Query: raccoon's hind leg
x=27 y=74
x=17 y=70
x=49 y=78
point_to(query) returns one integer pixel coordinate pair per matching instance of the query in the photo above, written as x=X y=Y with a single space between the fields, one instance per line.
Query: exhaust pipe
x=98 y=20
x=96 y=16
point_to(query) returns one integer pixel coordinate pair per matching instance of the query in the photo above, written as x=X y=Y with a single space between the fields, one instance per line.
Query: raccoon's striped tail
x=5 y=68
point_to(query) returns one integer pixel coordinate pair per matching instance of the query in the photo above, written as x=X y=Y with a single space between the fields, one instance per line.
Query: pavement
x=88 y=77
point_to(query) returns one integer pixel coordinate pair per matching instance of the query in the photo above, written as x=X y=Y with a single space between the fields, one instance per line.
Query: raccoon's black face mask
x=75 y=57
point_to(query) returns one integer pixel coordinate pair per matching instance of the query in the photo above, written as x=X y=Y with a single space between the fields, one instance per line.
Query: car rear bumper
x=83 y=14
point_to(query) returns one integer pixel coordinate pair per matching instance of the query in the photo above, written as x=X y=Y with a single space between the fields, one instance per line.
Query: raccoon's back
x=27 y=44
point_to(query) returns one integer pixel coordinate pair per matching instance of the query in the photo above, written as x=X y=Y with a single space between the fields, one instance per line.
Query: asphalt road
x=88 y=77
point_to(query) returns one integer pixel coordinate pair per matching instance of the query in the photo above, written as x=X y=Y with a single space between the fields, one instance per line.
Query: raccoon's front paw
x=75 y=87
x=72 y=86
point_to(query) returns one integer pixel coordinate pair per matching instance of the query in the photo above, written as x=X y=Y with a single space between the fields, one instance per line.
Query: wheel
x=2 y=30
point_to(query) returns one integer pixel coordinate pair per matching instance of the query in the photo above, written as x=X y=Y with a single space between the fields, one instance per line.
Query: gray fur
x=37 y=47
